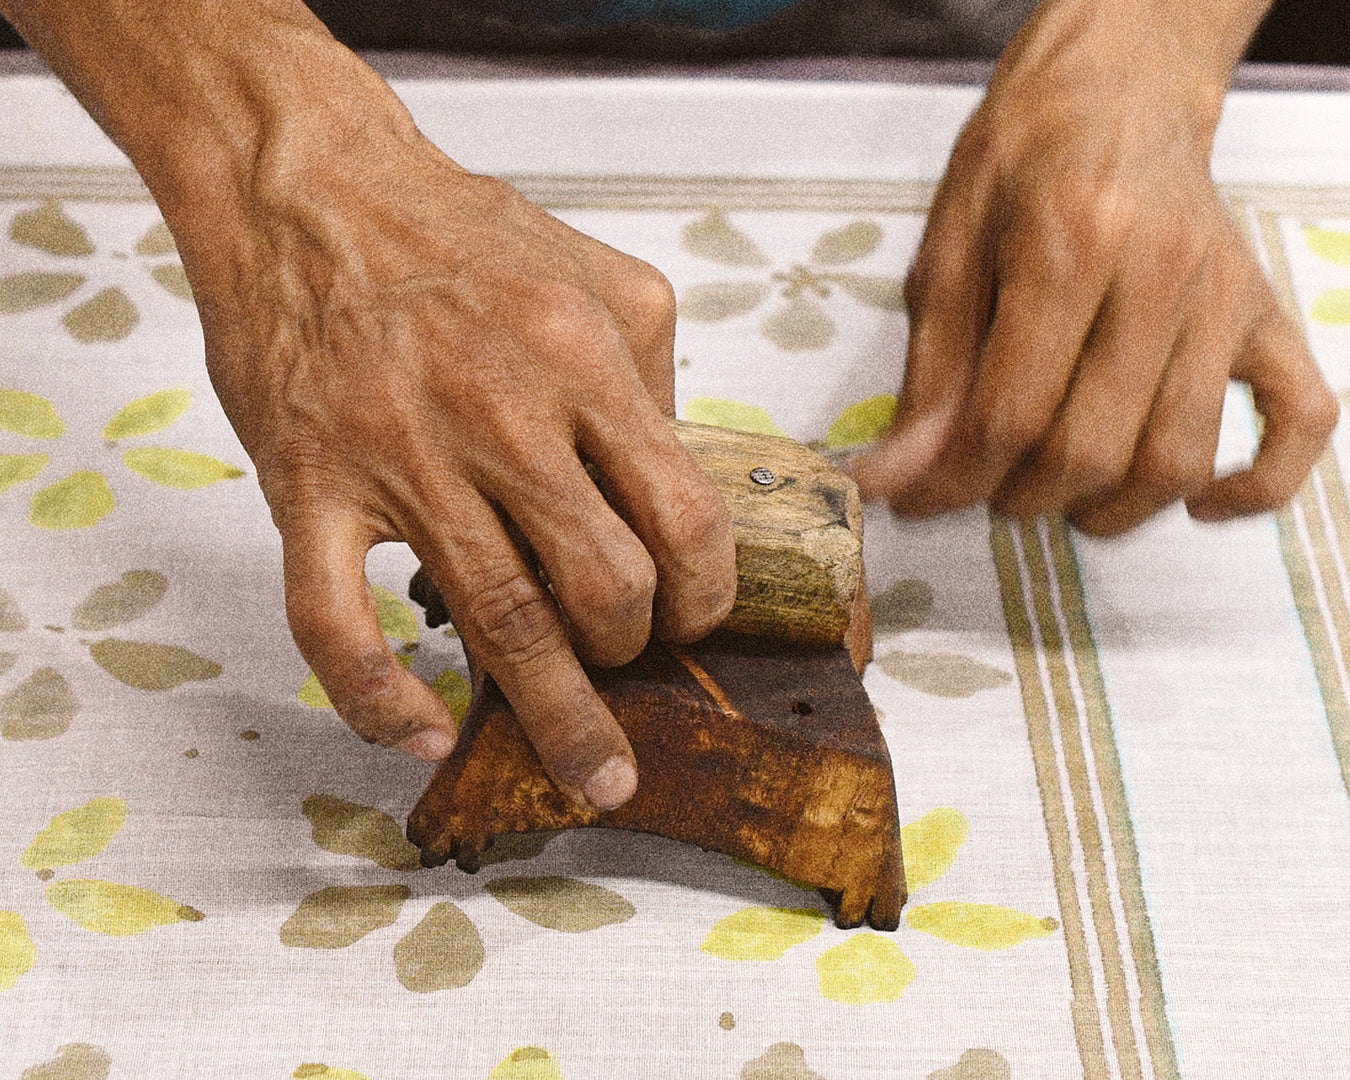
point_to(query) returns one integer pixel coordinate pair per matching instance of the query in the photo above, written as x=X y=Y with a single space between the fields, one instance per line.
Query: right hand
x=412 y=352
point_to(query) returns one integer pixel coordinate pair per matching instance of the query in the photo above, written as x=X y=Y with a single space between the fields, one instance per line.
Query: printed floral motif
x=42 y=706
x=84 y=497
x=399 y=624
x=866 y=967
x=1331 y=307
x=107 y=314
x=799 y=320
x=444 y=951
x=103 y=907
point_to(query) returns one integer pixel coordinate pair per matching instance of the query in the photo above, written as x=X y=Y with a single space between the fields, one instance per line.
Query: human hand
x=412 y=352
x=1082 y=298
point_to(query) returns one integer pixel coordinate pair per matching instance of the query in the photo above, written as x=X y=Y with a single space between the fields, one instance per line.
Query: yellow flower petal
x=527 y=1063
x=18 y=954
x=151 y=413
x=929 y=845
x=761 y=933
x=313 y=694
x=180 y=469
x=335 y=917
x=28 y=414
x=863 y=422
x=978 y=926
x=24 y=292
x=346 y=828
x=108 y=316
x=559 y=903
x=721 y=412
x=77 y=834
x=116 y=910
x=326 y=1072
x=1332 y=308
x=1332 y=244
x=864 y=970
x=395 y=617
x=80 y=501
x=454 y=689
x=16 y=468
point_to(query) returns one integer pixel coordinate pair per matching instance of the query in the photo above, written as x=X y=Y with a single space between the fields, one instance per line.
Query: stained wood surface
x=765 y=750
x=799 y=568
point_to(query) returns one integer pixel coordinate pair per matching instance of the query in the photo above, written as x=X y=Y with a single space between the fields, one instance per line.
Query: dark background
x=1295 y=32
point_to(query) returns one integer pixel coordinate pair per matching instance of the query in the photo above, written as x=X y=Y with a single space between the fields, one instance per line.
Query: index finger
x=1299 y=411
x=509 y=621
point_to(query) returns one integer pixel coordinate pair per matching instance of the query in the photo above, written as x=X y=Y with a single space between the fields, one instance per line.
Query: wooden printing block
x=759 y=741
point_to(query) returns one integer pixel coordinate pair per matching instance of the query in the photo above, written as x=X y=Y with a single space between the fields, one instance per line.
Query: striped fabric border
x=1119 y=1011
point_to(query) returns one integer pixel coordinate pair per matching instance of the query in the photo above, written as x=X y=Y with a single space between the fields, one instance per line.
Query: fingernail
x=612 y=784
x=430 y=744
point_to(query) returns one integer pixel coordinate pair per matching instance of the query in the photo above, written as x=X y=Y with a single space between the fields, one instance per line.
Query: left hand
x=1082 y=298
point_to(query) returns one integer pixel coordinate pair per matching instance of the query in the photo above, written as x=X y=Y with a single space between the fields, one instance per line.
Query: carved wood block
x=758 y=748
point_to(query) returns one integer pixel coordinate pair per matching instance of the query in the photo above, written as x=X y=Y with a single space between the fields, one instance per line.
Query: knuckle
x=1171 y=471
x=651 y=294
x=513 y=620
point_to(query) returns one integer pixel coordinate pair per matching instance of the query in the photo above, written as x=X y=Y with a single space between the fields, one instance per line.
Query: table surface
x=1123 y=766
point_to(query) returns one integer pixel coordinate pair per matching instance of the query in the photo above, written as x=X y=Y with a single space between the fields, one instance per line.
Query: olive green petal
x=28 y=414
x=158 y=240
x=40 y=707
x=77 y=834
x=799 y=325
x=346 y=828
x=340 y=915
x=18 y=954
x=50 y=229
x=180 y=469
x=902 y=605
x=443 y=952
x=116 y=910
x=24 y=292
x=138 y=592
x=80 y=501
x=73 y=1061
x=862 y=423
x=853 y=241
x=148 y=666
x=781 y=1061
x=885 y=293
x=714 y=237
x=107 y=316
x=18 y=468
x=173 y=279
x=148 y=414
x=559 y=903
x=11 y=618
x=718 y=301
x=942 y=674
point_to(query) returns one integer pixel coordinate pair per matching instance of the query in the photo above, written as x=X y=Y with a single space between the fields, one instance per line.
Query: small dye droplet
x=56 y=629
x=46 y=874
x=250 y=735
x=191 y=752
x=726 y=1021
